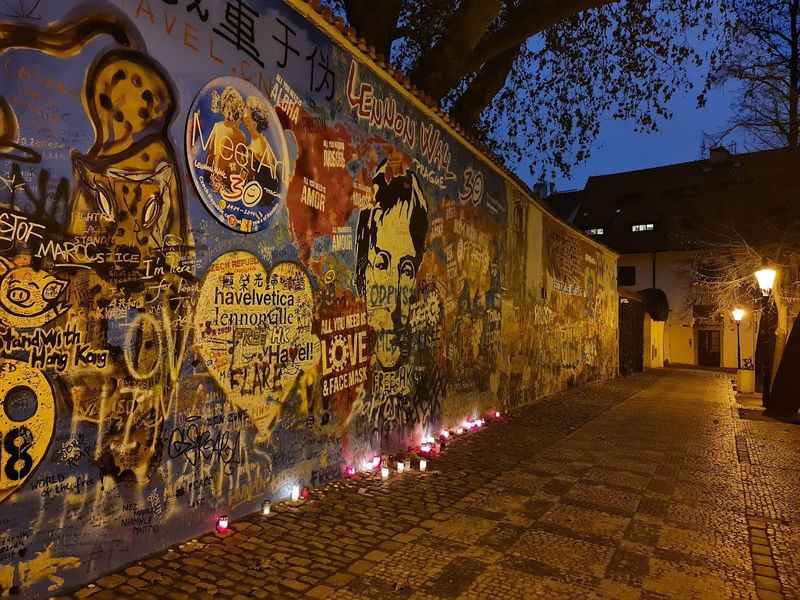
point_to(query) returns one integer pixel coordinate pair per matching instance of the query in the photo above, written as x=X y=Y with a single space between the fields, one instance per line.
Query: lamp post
x=766 y=280
x=738 y=314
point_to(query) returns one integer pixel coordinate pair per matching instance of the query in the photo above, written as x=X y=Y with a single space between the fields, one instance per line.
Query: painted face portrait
x=390 y=245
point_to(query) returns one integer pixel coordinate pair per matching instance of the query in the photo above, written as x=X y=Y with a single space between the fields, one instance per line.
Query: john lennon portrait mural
x=390 y=242
x=234 y=261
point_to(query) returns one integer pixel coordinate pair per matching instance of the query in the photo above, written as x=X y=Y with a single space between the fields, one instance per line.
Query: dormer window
x=643 y=227
x=595 y=231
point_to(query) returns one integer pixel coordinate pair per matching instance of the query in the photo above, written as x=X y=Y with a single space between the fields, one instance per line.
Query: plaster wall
x=680 y=337
x=233 y=262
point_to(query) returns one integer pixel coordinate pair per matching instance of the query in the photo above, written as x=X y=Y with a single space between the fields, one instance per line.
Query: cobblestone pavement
x=648 y=487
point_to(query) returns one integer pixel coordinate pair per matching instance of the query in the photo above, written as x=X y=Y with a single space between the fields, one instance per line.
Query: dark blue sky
x=619 y=148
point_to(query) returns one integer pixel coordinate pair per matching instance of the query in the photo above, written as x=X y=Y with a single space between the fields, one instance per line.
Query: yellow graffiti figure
x=129 y=183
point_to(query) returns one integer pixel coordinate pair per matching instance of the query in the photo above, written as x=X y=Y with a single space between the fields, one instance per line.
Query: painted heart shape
x=253 y=331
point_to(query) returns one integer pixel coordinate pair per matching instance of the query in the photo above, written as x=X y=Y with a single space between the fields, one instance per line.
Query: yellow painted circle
x=32 y=425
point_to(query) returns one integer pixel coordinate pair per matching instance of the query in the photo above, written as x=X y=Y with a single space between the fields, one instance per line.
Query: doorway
x=709 y=347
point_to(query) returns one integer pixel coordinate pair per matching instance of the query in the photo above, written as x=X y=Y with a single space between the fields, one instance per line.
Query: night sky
x=618 y=148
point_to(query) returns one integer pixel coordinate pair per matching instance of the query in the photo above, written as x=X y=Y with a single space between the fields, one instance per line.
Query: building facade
x=664 y=220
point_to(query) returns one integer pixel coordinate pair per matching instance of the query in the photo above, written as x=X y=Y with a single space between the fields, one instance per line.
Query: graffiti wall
x=236 y=257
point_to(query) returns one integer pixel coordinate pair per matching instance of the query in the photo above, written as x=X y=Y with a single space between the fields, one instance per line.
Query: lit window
x=595 y=231
x=643 y=227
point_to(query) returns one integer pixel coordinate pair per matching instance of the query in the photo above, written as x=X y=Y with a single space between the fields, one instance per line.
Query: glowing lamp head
x=423 y=464
x=766 y=279
x=384 y=473
x=266 y=508
x=222 y=523
x=738 y=314
x=295 y=493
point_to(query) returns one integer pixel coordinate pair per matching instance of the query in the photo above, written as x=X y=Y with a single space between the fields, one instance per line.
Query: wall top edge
x=347 y=38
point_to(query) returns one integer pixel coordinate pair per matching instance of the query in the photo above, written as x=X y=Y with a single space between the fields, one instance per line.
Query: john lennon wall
x=233 y=258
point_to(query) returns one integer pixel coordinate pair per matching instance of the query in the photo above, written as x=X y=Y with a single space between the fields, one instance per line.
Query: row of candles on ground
x=428 y=446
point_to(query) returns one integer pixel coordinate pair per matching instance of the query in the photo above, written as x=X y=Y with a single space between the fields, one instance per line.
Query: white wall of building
x=672 y=276
x=653 y=343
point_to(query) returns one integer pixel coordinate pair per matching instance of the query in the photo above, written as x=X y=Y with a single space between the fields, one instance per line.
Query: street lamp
x=738 y=314
x=766 y=280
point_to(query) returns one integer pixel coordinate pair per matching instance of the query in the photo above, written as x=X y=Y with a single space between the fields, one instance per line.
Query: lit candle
x=460 y=430
x=497 y=414
x=384 y=472
x=266 y=508
x=295 y=493
x=423 y=464
x=222 y=523
x=400 y=466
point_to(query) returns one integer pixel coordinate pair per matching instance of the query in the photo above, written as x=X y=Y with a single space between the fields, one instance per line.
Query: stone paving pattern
x=648 y=487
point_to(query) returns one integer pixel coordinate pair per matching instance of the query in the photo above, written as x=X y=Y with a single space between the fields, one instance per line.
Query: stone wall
x=235 y=257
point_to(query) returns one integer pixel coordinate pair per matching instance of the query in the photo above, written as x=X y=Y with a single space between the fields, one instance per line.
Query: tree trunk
x=469 y=43
x=442 y=67
x=488 y=82
x=377 y=25
x=765 y=344
x=786 y=389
